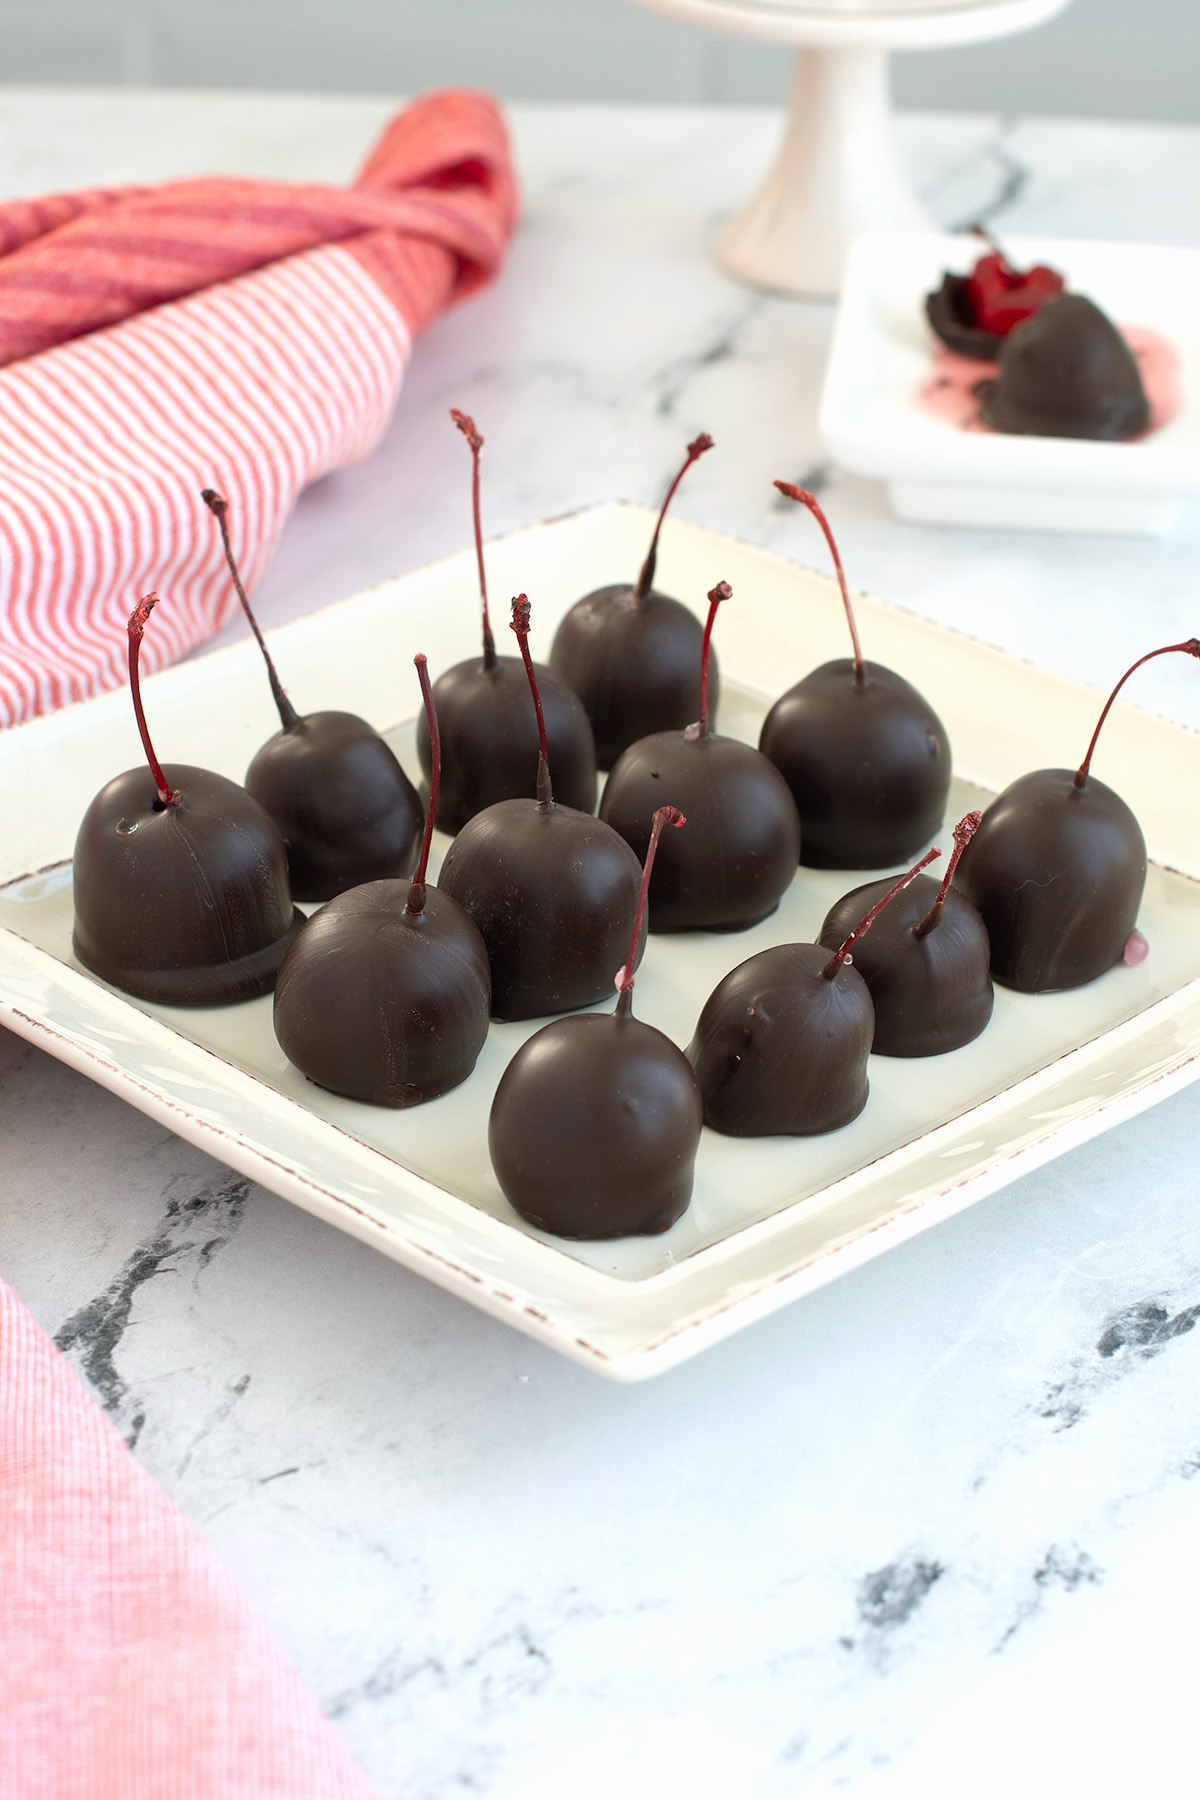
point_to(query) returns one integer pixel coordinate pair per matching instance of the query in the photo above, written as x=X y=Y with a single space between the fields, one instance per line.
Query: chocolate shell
x=952 y=318
x=553 y=892
x=490 y=739
x=1056 y=872
x=931 y=993
x=595 y=1127
x=635 y=665
x=736 y=859
x=1066 y=372
x=347 y=810
x=779 y=1050
x=188 y=904
x=383 y=1005
x=868 y=764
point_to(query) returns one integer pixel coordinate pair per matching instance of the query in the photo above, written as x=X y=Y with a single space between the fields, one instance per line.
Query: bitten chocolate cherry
x=552 y=890
x=596 y=1121
x=1066 y=372
x=489 y=729
x=781 y=1047
x=1057 y=870
x=736 y=860
x=385 y=995
x=865 y=755
x=347 y=810
x=181 y=885
x=633 y=654
x=973 y=314
x=925 y=962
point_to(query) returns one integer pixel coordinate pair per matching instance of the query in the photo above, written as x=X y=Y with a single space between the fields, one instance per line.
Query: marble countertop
x=931 y=1528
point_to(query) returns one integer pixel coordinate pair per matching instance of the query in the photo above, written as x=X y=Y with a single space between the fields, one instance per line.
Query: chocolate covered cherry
x=865 y=755
x=347 y=810
x=552 y=890
x=489 y=728
x=781 y=1046
x=385 y=995
x=1067 y=372
x=736 y=860
x=925 y=961
x=594 y=1129
x=973 y=314
x=1057 y=870
x=181 y=886
x=633 y=654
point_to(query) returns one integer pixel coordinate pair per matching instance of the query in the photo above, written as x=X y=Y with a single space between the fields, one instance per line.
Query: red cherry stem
x=695 y=451
x=810 y=500
x=982 y=230
x=219 y=507
x=1190 y=648
x=415 y=903
x=665 y=815
x=864 y=925
x=467 y=426
x=137 y=624
x=722 y=591
x=964 y=831
x=520 y=624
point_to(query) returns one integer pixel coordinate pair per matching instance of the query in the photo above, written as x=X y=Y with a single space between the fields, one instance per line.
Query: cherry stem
x=219 y=507
x=964 y=831
x=665 y=815
x=981 y=229
x=137 y=624
x=416 y=887
x=864 y=925
x=520 y=624
x=467 y=426
x=722 y=591
x=695 y=451
x=810 y=500
x=1190 y=648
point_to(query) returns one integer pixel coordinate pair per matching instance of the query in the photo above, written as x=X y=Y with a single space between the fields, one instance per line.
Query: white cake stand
x=837 y=173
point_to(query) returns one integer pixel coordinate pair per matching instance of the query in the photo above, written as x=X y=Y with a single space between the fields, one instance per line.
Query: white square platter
x=771 y=1219
x=882 y=348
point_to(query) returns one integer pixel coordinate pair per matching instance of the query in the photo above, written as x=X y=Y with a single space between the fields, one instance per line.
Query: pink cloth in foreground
x=238 y=334
x=131 y=1668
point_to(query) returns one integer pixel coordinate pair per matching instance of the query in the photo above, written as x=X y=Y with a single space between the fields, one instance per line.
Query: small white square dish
x=771 y=1219
x=936 y=472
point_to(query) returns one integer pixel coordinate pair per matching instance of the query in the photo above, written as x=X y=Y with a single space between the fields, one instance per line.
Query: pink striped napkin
x=244 y=335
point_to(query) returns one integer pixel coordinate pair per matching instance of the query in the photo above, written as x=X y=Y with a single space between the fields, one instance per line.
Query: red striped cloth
x=244 y=335
x=132 y=1667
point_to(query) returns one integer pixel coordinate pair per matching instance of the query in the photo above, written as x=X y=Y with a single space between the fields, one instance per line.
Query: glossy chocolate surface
x=1066 y=372
x=490 y=739
x=1057 y=873
x=740 y=850
x=553 y=892
x=781 y=1051
x=952 y=317
x=594 y=1129
x=635 y=665
x=186 y=904
x=868 y=765
x=383 y=1005
x=931 y=993
x=347 y=810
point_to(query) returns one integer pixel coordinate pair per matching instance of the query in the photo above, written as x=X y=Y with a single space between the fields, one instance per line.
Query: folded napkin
x=133 y=1669
x=238 y=334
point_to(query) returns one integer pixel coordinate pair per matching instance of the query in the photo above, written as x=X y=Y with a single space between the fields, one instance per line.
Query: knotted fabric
x=245 y=335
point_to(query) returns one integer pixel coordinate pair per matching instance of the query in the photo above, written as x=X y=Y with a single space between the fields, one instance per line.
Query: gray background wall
x=1114 y=58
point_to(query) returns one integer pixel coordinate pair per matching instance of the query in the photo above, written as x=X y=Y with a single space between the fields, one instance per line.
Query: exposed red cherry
x=596 y=1121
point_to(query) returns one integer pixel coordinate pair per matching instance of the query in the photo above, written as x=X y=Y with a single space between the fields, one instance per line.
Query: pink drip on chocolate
x=1136 y=950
